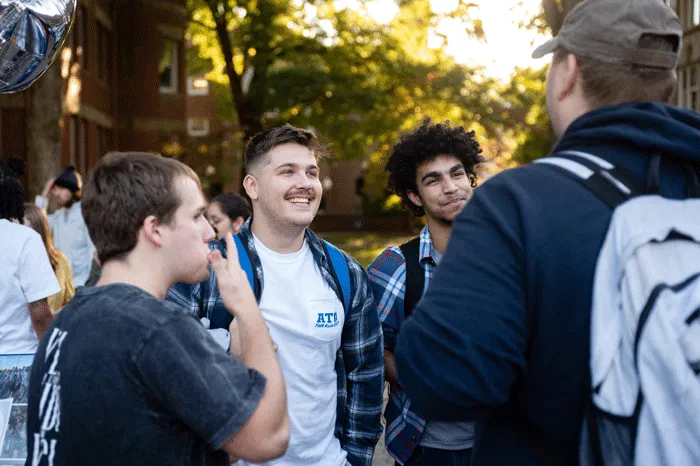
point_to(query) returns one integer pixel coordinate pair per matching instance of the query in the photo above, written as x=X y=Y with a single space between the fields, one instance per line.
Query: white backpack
x=645 y=321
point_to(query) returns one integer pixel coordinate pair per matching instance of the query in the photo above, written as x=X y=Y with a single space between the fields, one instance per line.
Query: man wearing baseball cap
x=70 y=234
x=502 y=334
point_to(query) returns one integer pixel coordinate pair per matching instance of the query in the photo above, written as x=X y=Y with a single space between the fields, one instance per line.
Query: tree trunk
x=249 y=119
x=555 y=12
x=44 y=128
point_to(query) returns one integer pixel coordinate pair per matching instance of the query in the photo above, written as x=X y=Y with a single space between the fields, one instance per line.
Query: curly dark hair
x=424 y=145
x=11 y=191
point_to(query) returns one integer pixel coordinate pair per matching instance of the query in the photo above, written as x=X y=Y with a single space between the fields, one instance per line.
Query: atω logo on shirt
x=327 y=320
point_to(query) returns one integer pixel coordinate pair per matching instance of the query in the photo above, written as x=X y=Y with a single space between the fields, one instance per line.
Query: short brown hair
x=262 y=143
x=606 y=84
x=123 y=190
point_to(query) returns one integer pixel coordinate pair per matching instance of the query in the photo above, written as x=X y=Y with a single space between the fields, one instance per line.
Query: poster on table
x=14 y=386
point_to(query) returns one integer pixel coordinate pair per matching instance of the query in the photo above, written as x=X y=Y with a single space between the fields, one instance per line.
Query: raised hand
x=47 y=187
x=233 y=283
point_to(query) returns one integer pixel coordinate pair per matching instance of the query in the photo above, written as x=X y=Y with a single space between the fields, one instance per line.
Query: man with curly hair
x=433 y=170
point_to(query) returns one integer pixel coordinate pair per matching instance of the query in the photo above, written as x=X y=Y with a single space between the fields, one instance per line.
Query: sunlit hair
x=40 y=223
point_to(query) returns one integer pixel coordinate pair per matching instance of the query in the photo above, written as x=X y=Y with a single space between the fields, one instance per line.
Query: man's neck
x=439 y=233
x=282 y=240
x=135 y=273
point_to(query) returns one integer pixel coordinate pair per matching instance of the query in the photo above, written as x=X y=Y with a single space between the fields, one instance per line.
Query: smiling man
x=433 y=170
x=330 y=354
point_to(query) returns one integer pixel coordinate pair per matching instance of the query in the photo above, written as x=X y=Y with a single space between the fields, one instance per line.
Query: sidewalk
x=381 y=457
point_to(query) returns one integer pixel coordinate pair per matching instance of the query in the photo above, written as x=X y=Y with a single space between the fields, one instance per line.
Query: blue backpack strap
x=220 y=317
x=244 y=260
x=340 y=272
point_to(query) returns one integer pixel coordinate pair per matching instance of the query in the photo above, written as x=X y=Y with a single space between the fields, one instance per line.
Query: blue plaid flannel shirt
x=387 y=274
x=360 y=357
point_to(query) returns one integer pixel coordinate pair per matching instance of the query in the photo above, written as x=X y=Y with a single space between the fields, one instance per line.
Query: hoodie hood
x=641 y=127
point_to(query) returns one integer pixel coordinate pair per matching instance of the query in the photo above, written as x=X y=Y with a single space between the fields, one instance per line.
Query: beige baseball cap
x=611 y=31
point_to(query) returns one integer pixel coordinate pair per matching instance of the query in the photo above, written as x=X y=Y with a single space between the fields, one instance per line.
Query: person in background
x=67 y=224
x=36 y=219
x=26 y=277
x=433 y=170
x=227 y=212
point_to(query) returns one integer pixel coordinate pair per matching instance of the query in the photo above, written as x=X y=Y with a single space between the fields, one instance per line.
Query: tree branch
x=201 y=24
x=553 y=15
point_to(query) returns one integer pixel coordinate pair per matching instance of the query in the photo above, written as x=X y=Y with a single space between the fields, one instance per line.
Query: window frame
x=172 y=88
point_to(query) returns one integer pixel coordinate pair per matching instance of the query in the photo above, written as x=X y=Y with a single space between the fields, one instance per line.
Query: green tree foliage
x=525 y=93
x=357 y=82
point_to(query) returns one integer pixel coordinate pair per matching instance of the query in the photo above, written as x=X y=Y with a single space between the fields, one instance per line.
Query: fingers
x=231 y=249
x=217 y=261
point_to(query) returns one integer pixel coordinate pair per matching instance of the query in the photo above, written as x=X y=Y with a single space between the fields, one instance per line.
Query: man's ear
x=571 y=77
x=250 y=184
x=152 y=230
x=414 y=198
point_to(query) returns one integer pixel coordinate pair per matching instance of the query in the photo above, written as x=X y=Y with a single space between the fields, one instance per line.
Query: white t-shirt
x=306 y=319
x=26 y=276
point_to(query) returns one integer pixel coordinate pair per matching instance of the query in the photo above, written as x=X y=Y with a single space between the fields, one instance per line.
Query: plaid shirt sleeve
x=387 y=275
x=200 y=299
x=363 y=356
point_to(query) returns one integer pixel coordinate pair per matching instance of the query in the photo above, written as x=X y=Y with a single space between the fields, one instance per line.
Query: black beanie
x=69 y=179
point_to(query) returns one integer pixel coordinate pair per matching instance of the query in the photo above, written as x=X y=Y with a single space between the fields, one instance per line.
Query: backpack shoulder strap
x=613 y=185
x=246 y=265
x=415 y=275
x=340 y=272
x=220 y=317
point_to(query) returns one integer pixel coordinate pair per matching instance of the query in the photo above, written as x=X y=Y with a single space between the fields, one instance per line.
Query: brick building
x=124 y=83
x=689 y=65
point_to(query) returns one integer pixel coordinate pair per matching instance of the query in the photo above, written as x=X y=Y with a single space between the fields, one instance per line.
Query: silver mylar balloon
x=32 y=33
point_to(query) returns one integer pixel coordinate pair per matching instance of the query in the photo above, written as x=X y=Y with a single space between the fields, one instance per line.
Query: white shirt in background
x=306 y=319
x=71 y=237
x=25 y=276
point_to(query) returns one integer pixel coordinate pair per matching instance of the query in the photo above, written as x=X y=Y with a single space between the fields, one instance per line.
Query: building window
x=77 y=139
x=168 y=66
x=104 y=54
x=197 y=126
x=197 y=86
x=689 y=11
x=689 y=92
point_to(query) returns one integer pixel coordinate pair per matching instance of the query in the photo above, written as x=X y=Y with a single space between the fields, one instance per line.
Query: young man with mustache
x=331 y=357
x=433 y=170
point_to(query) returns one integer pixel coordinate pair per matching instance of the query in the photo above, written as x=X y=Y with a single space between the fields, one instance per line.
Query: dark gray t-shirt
x=122 y=378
